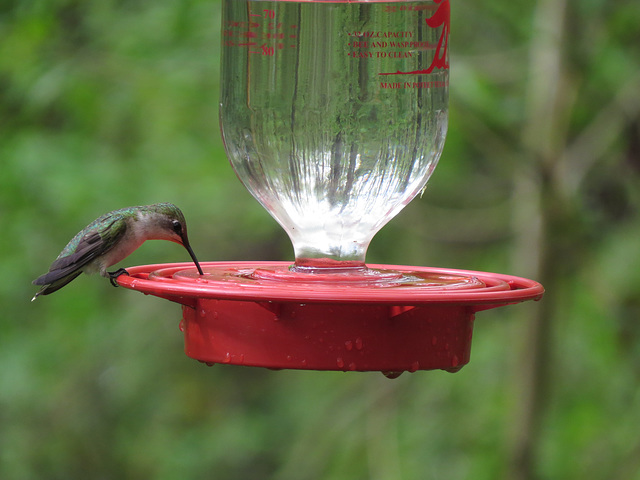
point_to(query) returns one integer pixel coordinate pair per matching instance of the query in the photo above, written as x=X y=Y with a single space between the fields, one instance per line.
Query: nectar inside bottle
x=334 y=114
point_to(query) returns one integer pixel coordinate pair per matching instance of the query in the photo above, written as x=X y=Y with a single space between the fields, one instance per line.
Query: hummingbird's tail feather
x=54 y=286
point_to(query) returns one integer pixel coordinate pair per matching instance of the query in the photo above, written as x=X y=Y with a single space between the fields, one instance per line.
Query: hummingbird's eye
x=177 y=227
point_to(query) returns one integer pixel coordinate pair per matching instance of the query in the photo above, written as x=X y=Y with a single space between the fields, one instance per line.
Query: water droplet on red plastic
x=181 y=325
x=203 y=313
x=352 y=366
x=434 y=340
x=303 y=363
x=414 y=366
x=359 y=344
x=392 y=375
x=454 y=361
x=227 y=358
x=209 y=364
x=289 y=358
x=348 y=345
x=340 y=362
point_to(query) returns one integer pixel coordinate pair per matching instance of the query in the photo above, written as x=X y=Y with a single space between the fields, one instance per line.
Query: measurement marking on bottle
x=271 y=30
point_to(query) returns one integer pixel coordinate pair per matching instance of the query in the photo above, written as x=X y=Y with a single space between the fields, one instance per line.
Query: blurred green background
x=114 y=103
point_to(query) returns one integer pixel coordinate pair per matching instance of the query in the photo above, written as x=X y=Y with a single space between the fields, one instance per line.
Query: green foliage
x=114 y=103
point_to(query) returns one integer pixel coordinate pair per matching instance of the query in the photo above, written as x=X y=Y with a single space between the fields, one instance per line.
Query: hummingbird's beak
x=185 y=243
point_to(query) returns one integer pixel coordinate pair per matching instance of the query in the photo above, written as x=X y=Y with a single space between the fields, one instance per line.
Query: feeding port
x=333 y=115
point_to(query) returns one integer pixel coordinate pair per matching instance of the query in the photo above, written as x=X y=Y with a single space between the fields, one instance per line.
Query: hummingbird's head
x=171 y=225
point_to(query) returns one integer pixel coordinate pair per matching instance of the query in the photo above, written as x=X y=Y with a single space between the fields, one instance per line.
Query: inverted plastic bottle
x=334 y=115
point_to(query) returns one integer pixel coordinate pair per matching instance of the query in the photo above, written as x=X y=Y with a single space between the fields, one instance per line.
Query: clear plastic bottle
x=334 y=114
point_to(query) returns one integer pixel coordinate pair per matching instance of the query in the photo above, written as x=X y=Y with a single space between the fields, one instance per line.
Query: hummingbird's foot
x=116 y=274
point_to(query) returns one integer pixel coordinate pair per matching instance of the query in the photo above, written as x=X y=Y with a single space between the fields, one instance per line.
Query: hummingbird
x=110 y=239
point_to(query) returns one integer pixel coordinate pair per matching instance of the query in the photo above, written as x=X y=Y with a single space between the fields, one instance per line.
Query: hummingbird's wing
x=85 y=247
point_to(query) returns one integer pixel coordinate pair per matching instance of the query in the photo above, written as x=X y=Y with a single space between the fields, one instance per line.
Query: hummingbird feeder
x=333 y=115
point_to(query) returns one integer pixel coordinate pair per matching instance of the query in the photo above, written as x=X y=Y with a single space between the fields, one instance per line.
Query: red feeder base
x=389 y=319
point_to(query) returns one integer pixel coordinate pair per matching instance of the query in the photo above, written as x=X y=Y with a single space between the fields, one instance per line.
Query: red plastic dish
x=389 y=318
